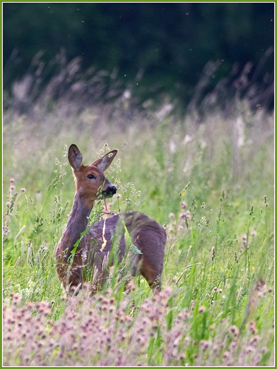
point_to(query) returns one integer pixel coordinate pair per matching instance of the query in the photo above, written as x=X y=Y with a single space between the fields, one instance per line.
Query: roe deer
x=95 y=246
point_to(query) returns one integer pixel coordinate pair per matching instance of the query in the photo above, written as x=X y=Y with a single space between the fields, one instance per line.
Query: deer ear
x=75 y=157
x=104 y=163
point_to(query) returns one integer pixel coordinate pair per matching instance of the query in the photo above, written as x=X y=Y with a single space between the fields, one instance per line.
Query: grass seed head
x=205 y=344
x=202 y=309
x=184 y=205
x=234 y=330
x=226 y=355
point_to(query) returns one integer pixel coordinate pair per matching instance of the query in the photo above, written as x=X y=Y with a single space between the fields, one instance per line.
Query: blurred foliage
x=161 y=49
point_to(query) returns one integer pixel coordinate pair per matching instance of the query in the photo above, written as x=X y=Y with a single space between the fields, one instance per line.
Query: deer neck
x=77 y=223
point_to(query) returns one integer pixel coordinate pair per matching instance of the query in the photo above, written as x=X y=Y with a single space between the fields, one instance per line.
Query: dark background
x=155 y=49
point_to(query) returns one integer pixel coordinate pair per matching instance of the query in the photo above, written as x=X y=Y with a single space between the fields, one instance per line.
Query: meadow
x=209 y=181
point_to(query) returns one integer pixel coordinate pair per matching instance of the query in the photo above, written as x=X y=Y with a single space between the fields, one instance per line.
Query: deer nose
x=111 y=190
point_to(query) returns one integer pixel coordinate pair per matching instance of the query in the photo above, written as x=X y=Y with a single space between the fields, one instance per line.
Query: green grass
x=210 y=185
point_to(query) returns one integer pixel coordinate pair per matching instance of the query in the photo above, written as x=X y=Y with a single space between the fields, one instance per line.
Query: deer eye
x=91 y=176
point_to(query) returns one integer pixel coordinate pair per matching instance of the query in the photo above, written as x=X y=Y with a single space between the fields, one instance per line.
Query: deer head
x=90 y=179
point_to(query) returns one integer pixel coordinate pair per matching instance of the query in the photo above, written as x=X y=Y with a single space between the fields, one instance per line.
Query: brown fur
x=146 y=234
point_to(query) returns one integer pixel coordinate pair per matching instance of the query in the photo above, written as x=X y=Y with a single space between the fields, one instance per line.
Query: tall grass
x=210 y=185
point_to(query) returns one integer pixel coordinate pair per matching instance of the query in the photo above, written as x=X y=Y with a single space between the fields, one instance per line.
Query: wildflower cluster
x=103 y=331
x=182 y=221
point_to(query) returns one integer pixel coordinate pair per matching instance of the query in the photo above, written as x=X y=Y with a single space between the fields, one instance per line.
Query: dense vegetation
x=209 y=184
x=159 y=49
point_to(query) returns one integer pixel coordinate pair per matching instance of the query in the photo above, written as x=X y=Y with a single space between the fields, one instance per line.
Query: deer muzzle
x=109 y=189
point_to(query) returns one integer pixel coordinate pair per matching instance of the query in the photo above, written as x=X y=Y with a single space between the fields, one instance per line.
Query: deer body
x=95 y=247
